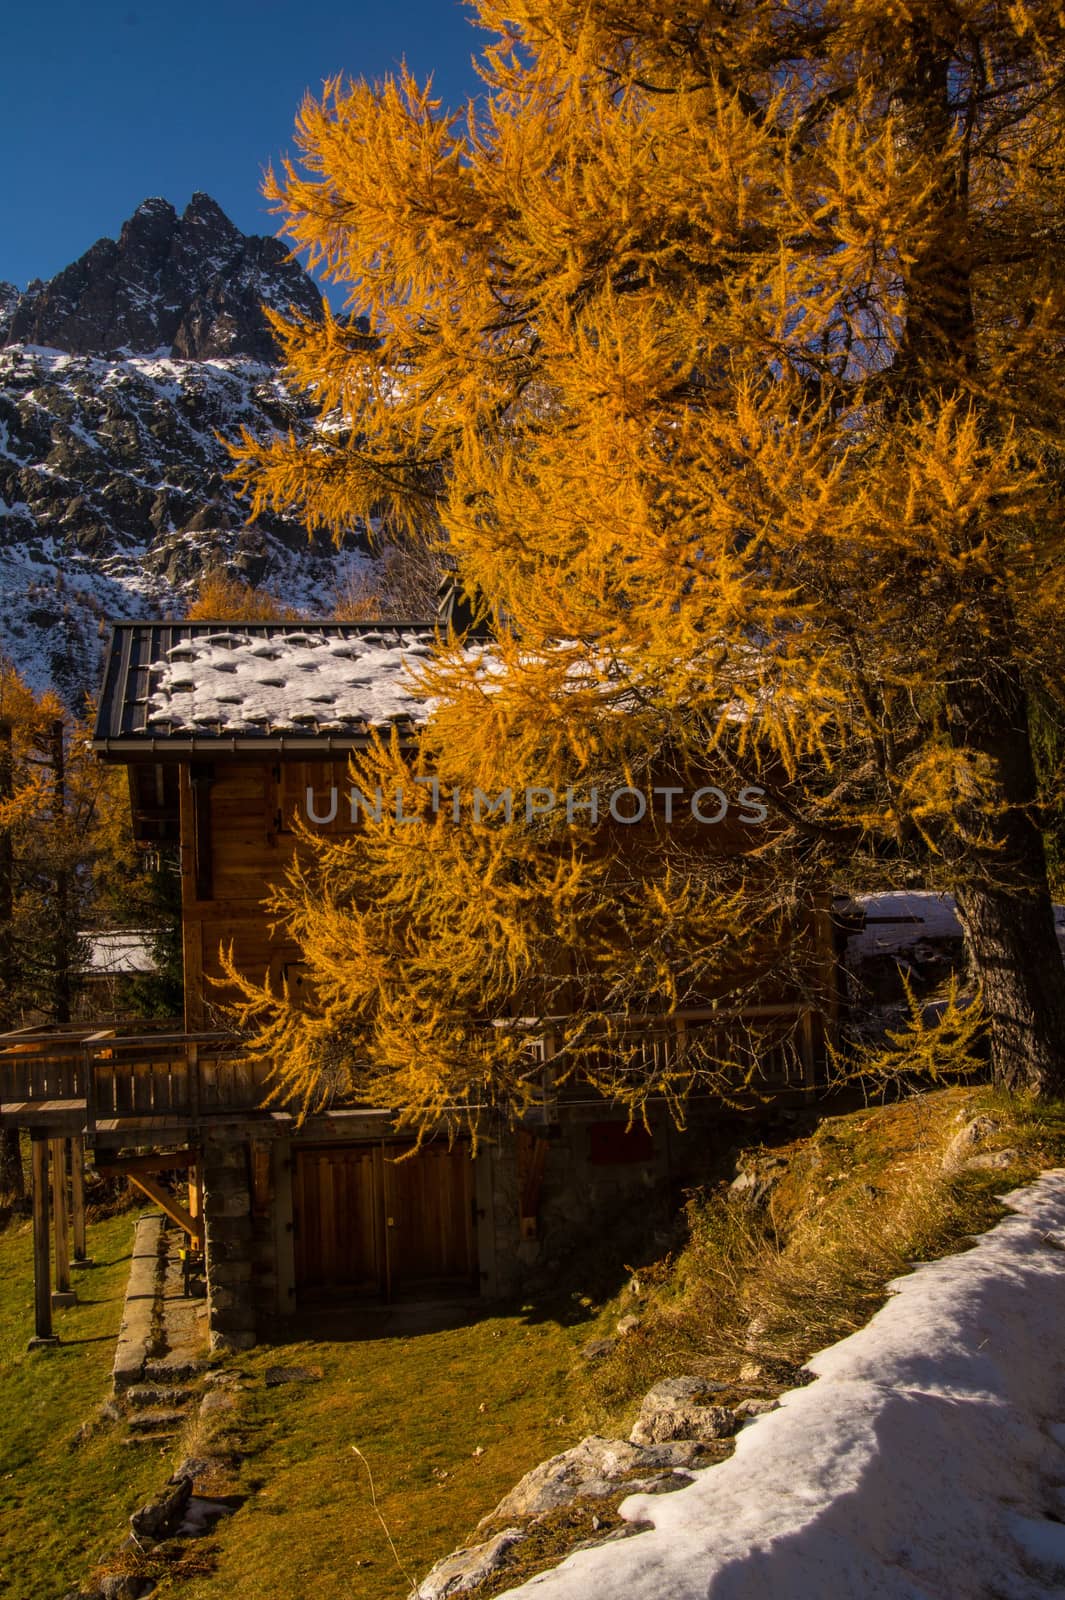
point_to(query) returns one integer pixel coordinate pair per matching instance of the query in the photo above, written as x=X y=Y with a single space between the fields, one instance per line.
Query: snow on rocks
x=923 y=1465
x=592 y=1470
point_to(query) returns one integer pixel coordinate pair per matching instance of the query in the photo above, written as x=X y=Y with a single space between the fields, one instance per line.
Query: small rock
x=274 y=1377
x=991 y=1161
x=974 y=1133
x=216 y=1401
x=124 y=1586
x=683 y=1422
x=682 y=1408
x=596 y=1349
x=627 y=1324
x=162 y=1514
x=466 y=1569
x=754 y=1186
x=756 y=1408
x=688 y=1390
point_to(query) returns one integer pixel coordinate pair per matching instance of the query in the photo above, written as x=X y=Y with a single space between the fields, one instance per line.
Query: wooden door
x=429 y=1219
x=369 y=1224
x=337 y=1221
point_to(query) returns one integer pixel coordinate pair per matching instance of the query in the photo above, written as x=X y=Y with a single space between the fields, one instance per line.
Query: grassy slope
x=418 y=1407
x=62 y=1507
x=854 y=1205
x=448 y=1418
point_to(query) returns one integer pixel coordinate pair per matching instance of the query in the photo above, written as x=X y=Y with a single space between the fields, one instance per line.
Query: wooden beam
x=77 y=1189
x=166 y=1161
x=176 y=1212
x=42 y=1271
x=63 y=1295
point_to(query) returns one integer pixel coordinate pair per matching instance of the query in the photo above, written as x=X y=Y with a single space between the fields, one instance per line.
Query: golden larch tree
x=721 y=345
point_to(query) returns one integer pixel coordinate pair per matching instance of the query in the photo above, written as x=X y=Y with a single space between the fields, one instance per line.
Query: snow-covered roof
x=898 y=919
x=178 y=688
x=119 y=952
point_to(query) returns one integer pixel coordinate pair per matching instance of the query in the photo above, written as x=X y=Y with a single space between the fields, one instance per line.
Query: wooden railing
x=770 y=1048
x=178 y=1079
x=172 y=1077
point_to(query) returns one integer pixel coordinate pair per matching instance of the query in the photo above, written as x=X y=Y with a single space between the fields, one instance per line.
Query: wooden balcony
x=103 y=1082
x=773 y=1051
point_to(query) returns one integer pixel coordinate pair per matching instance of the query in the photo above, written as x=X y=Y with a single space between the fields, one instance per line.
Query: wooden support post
x=42 y=1274
x=63 y=1296
x=196 y=1190
x=77 y=1191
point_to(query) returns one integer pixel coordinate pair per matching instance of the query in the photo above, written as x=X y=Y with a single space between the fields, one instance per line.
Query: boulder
x=592 y=1470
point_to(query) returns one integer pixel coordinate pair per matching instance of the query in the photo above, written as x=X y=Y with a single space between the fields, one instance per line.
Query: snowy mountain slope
x=113 y=496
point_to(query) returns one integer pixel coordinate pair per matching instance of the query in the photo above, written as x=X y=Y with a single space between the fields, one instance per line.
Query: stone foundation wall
x=583 y=1192
x=229 y=1233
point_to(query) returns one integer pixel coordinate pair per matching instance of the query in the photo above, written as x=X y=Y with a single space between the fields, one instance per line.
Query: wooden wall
x=249 y=827
x=249 y=816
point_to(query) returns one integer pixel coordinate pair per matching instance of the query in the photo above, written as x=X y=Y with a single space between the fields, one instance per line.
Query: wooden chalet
x=229 y=731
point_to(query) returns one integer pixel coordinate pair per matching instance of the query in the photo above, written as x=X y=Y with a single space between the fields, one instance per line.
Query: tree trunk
x=1014 y=952
x=12 y=1179
x=1004 y=897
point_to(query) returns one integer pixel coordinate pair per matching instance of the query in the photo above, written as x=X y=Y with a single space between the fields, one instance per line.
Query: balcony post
x=63 y=1295
x=42 y=1270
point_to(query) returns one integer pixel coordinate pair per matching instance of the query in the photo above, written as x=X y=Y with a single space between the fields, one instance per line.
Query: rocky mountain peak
x=192 y=286
x=9 y=297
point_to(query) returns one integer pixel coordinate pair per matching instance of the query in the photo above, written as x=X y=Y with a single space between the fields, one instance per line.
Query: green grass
x=447 y=1420
x=448 y=1417
x=63 y=1507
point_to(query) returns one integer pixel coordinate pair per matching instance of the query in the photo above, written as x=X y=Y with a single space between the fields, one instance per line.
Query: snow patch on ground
x=925 y=1464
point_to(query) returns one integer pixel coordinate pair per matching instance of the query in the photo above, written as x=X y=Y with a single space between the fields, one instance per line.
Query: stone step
x=148 y=1394
x=155 y=1421
x=174 y=1369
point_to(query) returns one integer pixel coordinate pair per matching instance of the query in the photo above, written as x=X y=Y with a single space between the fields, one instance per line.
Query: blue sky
x=103 y=104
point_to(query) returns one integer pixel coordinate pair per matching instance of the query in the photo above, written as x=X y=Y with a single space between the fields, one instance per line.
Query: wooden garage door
x=368 y=1224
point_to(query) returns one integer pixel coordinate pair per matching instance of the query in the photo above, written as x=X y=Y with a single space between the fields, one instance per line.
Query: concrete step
x=155 y=1421
x=142 y=1395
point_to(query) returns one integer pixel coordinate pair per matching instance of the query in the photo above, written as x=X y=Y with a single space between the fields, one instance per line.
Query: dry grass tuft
x=757 y=1289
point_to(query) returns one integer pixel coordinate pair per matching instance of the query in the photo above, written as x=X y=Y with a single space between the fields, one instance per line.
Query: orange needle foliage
x=721 y=347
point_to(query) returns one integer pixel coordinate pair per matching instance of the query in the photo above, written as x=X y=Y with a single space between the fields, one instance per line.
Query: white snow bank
x=924 y=1464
